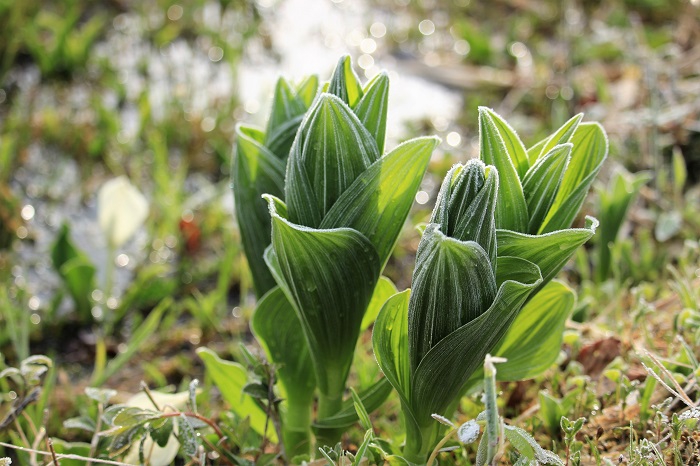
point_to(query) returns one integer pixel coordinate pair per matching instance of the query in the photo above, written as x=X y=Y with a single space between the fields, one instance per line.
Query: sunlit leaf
x=541 y=184
x=560 y=136
x=379 y=200
x=514 y=146
x=121 y=210
x=384 y=290
x=511 y=209
x=550 y=252
x=587 y=157
x=373 y=106
x=533 y=342
x=344 y=83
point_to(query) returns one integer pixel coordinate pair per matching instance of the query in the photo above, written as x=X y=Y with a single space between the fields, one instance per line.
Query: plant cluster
x=499 y=232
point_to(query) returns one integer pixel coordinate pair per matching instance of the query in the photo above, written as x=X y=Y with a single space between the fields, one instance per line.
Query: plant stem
x=328 y=405
x=296 y=432
x=421 y=442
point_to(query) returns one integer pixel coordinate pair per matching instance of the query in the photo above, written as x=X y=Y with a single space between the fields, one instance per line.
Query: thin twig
x=147 y=391
x=49 y=444
x=98 y=427
x=62 y=456
x=207 y=421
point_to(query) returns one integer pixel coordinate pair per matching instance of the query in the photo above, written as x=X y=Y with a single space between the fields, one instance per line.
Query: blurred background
x=90 y=91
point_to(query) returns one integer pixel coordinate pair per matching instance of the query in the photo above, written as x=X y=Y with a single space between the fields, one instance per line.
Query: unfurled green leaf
x=550 y=252
x=277 y=328
x=344 y=83
x=285 y=118
x=511 y=209
x=230 y=378
x=379 y=200
x=390 y=344
x=384 y=290
x=514 y=146
x=453 y=284
x=331 y=150
x=541 y=184
x=587 y=157
x=561 y=136
x=256 y=170
x=533 y=342
x=314 y=268
x=307 y=90
x=373 y=106
x=680 y=171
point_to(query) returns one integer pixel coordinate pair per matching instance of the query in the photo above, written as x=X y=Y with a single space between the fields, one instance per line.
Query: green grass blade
x=331 y=150
x=511 y=209
x=372 y=398
x=379 y=200
x=144 y=331
x=615 y=200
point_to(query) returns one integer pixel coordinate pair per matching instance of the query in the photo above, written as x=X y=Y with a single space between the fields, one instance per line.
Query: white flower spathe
x=121 y=210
